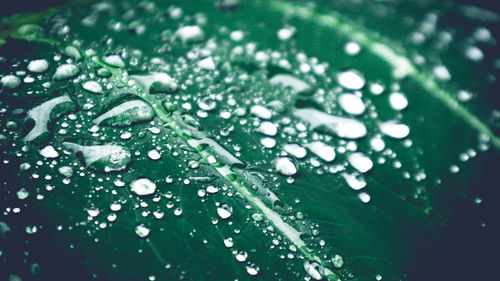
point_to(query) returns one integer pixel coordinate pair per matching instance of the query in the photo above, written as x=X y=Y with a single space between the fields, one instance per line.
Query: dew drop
x=142 y=231
x=394 y=129
x=38 y=65
x=351 y=80
x=224 y=211
x=66 y=71
x=143 y=186
x=285 y=166
x=360 y=161
x=352 y=104
x=398 y=101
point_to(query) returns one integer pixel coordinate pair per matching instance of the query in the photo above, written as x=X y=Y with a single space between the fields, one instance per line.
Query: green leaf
x=235 y=141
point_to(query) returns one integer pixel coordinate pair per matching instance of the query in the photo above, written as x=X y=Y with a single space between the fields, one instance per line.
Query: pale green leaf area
x=246 y=140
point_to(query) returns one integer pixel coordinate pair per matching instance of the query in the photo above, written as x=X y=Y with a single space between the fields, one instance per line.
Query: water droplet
x=207 y=63
x=394 y=129
x=352 y=104
x=92 y=86
x=49 y=152
x=38 y=65
x=285 y=166
x=337 y=261
x=241 y=256
x=268 y=128
x=295 y=150
x=314 y=269
x=156 y=82
x=93 y=212
x=207 y=103
x=190 y=33
x=377 y=144
x=10 y=81
x=66 y=171
x=105 y=158
x=340 y=126
x=154 y=154
x=322 y=150
x=142 y=231
x=66 y=71
x=22 y=193
x=352 y=48
x=143 y=186
x=441 y=73
x=354 y=180
x=351 y=80
x=252 y=270
x=286 y=33
x=268 y=142
x=360 y=161
x=364 y=197
x=114 y=60
x=261 y=112
x=126 y=113
x=292 y=82
x=224 y=211
x=398 y=101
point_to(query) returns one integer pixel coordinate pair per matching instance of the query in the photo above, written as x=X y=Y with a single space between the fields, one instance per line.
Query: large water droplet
x=143 y=186
x=394 y=129
x=104 y=158
x=92 y=86
x=285 y=166
x=322 y=150
x=360 y=161
x=340 y=126
x=224 y=211
x=352 y=104
x=38 y=65
x=114 y=60
x=354 y=180
x=268 y=128
x=290 y=81
x=10 y=81
x=49 y=152
x=142 y=231
x=351 y=80
x=314 y=269
x=190 y=33
x=398 y=101
x=66 y=71
x=295 y=150
x=261 y=112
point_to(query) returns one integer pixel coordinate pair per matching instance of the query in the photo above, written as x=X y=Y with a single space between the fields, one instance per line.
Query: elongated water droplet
x=261 y=112
x=104 y=158
x=322 y=150
x=114 y=60
x=295 y=150
x=394 y=129
x=340 y=126
x=290 y=81
x=92 y=86
x=66 y=71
